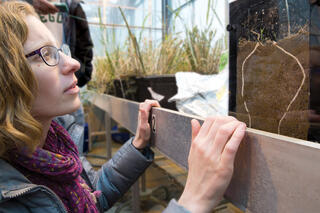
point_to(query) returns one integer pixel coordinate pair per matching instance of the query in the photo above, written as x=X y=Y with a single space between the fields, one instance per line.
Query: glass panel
x=143 y=16
x=203 y=14
x=274 y=74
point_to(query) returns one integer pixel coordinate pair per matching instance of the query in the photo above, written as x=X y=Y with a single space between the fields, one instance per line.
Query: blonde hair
x=18 y=128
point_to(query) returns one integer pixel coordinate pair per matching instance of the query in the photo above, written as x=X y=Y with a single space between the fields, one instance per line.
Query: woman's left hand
x=143 y=130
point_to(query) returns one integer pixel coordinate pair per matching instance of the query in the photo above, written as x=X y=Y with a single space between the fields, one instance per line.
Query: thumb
x=195 y=125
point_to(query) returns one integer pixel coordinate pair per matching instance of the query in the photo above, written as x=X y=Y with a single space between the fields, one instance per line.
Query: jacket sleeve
x=118 y=174
x=174 y=207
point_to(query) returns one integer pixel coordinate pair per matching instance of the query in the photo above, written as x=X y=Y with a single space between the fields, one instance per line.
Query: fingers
x=143 y=128
x=206 y=127
x=210 y=161
x=143 y=114
x=219 y=122
x=148 y=104
x=195 y=126
x=223 y=134
x=231 y=148
x=143 y=125
x=216 y=133
x=145 y=107
x=211 y=126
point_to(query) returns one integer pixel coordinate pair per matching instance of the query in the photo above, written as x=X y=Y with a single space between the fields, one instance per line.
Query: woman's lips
x=72 y=89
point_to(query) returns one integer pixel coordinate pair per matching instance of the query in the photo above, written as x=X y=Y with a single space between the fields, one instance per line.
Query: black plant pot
x=164 y=85
x=136 y=88
x=126 y=88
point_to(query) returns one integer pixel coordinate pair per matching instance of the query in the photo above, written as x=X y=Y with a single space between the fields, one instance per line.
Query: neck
x=45 y=129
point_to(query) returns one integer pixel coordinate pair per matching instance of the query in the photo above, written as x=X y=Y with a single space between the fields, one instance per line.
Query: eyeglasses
x=50 y=54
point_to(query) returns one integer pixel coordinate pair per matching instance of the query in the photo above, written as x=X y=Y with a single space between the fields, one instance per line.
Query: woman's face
x=57 y=91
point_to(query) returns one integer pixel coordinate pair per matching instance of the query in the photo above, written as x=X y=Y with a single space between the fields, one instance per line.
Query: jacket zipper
x=18 y=193
x=42 y=188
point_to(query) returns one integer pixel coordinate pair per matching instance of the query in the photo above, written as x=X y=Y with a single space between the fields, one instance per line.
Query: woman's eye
x=37 y=58
x=46 y=54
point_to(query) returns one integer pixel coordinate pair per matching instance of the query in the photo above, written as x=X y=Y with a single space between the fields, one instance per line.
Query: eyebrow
x=47 y=43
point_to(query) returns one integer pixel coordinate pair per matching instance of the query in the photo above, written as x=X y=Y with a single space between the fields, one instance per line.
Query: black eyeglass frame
x=38 y=52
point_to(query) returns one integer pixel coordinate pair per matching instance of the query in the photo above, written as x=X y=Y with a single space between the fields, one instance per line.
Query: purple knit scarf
x=58 y=167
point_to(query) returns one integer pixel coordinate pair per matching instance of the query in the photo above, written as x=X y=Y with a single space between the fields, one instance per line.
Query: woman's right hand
x=211 y=160
x=143 y=131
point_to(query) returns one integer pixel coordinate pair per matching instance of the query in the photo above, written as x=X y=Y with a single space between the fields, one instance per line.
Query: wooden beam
x=273 y=173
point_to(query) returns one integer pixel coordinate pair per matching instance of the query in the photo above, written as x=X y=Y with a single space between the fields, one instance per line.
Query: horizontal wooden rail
x=273 y=173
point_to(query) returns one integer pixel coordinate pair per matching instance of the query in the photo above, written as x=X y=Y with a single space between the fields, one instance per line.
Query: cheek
x=47 y=99
x=48 y=86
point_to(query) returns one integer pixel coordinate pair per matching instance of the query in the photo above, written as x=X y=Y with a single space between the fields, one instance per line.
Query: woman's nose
x=68 y=64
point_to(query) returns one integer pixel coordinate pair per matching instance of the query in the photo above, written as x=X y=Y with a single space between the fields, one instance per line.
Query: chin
x=76 y=106
x=72 y=107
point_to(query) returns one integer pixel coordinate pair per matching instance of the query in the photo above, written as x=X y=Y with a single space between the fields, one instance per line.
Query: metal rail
x=273 y=173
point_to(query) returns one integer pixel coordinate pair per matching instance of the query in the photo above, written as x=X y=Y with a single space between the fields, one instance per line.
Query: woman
x=39 y=164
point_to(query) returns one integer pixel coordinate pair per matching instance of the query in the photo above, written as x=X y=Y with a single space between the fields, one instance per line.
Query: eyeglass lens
x=50 y=55
x=66 y=50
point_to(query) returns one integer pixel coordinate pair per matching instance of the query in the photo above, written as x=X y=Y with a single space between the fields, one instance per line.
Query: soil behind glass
x=274 y=77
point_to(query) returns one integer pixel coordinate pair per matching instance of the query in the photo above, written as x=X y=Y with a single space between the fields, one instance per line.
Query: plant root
x=300 y=87
x=242 y=77
x=296 y=94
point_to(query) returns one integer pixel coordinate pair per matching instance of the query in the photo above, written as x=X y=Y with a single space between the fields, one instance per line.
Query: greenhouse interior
x=160 y=106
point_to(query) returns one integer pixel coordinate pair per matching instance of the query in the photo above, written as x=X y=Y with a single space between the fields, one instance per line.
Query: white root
x=242 y=86
x=301 y=85
x=295 y=96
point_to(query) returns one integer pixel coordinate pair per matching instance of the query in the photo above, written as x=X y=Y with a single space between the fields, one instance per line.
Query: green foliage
x=224 y=59
x=202 y=56
x=134 y=42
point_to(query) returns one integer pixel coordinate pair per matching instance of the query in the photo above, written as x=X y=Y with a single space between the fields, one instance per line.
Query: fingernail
x=243 y=127
x=193 y=121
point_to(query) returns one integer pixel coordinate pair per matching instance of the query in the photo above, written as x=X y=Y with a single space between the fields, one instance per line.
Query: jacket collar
x=11 y=179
